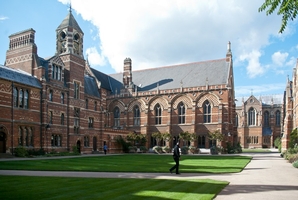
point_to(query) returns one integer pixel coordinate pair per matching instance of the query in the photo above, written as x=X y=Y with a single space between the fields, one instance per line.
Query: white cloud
x=94 y=57
x=254 y=68
x=2 y=18
x=279 y=58
x=292 y=62
x=169 y=32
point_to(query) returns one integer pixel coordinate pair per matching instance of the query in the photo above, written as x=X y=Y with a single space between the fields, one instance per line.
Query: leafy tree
x=157 y=136
x=293 y=138
x=186 y=136
x=215 y=135
x=136 y=139
x=287 y=8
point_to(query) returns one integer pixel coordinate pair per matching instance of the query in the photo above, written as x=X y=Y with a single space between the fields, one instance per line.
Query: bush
x=192 y=149
x=34 y=152
x=143 y=148
x=184 y=150
x=292 y=158
x=132 y=149
x=20 y=152
x=295 y=164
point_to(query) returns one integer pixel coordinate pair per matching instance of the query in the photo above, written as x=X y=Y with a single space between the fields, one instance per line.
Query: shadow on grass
x=27 y=187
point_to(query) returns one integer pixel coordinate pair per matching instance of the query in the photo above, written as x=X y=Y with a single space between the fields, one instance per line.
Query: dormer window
x=56 y=72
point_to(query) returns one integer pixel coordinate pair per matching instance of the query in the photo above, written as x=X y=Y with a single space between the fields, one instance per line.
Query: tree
x=287 y=8
x=215 y=135
x=157 y=136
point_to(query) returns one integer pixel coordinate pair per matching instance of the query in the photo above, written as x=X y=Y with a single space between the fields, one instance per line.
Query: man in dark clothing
x=176 y=156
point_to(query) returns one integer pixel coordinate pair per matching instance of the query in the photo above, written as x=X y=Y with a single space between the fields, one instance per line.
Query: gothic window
x=116 y=117
x=207 y=112
x=26 y=100
x=76 y=90
x=56 y=140
x=15 y=97
x=266 y=119
x=51 y=95
x=181 y=113
x=86 y=141
x=51 y=117
x=62 y=42
x=136 y=116
x=157 y=114
x=20 y=136
x=91 y=122
x=21 y=95
x=76 y=120
x=236 y=120
x=251 y=117
x=56 y=72
x=95 y=106
x=277 y=118
x=76 y=44
x=26 y=137
x=62 y=119
x=86 y=103
x=62 y=98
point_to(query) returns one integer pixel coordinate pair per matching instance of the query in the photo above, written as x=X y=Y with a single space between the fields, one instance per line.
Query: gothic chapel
x=61 y=102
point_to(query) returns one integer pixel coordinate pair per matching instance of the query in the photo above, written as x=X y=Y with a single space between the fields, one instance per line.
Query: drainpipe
x=12 y=116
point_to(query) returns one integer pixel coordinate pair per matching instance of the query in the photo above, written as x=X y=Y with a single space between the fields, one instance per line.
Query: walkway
x=267 y=176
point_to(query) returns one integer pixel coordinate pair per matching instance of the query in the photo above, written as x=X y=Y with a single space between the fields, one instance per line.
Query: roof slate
x=69 y=20
x=170 y=77
x=90 y=86
x=18 y=76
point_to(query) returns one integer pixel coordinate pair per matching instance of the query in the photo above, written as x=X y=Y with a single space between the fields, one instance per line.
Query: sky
x=166 y=32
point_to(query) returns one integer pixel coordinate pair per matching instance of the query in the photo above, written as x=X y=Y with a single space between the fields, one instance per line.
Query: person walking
x=176 y=157
x=105 y=148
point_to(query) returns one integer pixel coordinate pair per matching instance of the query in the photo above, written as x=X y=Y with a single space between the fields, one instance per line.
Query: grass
x=133 y=163
x=28 y=187
x=23 y=187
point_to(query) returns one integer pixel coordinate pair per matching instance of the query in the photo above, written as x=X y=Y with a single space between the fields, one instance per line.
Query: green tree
x=215 y=135
x=287 y=8
x=157 y=136
x=293 y=138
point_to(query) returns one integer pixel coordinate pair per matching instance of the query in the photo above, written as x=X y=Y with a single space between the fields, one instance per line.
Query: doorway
x=2 y=142
x=79 y=146
x=94 y=144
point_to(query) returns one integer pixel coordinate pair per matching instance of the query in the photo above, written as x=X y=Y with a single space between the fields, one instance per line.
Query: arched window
x=20 y=136
x=136 y=116
x=15 y=97
x=86 y=103
x=277 y=118
x=251 y=117
x=157 y=110
x=207 y=112
x=181 y=113
x=62 y=119
x=62 y=97
x=26 y=137
x=26 y=100
x=266 y=119
x=236 y=120
x=21 y=95
x=116 y=117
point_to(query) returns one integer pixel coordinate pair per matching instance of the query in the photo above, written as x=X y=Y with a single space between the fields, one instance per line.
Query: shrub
x=295 y=164
x=143 y=148
x=166 y=149
x=192 y=149
x=132 y=149
x=277 y=143
x=125 y=145
x=20 y=152
x=184 y=150
x=292 y=158
x=34 y=152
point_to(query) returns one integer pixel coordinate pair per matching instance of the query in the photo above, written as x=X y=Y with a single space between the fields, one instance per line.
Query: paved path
x=267 y=176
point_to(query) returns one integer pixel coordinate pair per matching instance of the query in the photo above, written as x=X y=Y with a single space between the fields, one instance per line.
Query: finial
x=70 y=6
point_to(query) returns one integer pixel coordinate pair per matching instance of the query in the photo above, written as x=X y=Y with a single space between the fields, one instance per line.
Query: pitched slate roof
x=90 y=86
x=69 y=20
x=215 y=72
x=18 y=76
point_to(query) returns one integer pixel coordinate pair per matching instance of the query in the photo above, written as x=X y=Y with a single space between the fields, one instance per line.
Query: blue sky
x=165 y=32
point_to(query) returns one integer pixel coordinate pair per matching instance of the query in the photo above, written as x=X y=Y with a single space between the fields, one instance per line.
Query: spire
x=70 y=21
x=229 y=53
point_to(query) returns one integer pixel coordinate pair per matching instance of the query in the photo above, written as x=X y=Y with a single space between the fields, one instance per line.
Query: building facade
x=259 y=121
x=60 y=102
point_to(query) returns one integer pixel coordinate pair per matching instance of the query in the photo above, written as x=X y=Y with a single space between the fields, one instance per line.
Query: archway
x=94 y=144
x=79 y=146
x=2 y=142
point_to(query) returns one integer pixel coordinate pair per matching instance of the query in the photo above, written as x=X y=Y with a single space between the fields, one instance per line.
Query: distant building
x=259 y=120
x=60 y=102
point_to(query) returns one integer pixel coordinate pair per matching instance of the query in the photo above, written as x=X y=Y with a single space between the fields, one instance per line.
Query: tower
x=69 y=37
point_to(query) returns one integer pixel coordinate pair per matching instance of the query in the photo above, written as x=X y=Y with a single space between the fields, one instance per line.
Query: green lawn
x=28 y=187
x=134 y=163
x=23 y=187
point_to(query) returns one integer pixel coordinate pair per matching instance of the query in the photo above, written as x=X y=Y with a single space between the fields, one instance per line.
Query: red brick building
x=61 y=102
